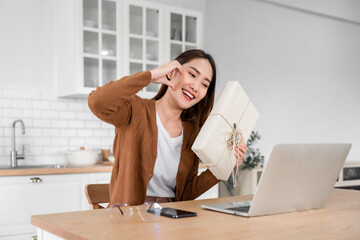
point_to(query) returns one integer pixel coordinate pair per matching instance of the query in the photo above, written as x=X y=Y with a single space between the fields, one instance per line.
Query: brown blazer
x=135 y=143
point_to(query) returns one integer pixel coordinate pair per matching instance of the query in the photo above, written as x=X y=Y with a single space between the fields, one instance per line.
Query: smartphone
x=174 y=213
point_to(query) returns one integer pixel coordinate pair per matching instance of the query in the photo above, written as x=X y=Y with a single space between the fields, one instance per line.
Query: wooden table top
x=340 y=219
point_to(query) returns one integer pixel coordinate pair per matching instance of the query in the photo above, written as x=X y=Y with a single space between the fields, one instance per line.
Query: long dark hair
x=200 y=111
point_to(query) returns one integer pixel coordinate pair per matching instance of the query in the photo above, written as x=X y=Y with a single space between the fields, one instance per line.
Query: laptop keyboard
x=240 y=209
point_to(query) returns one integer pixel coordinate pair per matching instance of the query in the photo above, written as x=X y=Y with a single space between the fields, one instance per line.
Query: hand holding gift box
x=230 y=123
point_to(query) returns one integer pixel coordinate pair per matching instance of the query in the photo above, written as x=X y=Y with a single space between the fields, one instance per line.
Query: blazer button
x=180 y=172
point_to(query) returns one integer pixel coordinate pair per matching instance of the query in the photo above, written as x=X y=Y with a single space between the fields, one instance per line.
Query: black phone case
x=165 y=212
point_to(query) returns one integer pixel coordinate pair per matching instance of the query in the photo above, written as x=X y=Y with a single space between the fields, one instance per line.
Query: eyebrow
x=197 y=71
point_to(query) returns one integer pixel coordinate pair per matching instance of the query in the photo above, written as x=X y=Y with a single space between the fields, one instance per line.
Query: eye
x=205 y=85
x=192 y=74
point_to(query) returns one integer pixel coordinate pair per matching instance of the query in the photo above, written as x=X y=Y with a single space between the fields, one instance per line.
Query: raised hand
x=159 y=75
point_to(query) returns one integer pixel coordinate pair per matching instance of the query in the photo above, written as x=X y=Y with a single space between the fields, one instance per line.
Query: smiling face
x=192 y=85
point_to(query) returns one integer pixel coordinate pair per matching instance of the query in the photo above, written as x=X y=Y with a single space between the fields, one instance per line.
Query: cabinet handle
x=35 y=179
x=34 y=237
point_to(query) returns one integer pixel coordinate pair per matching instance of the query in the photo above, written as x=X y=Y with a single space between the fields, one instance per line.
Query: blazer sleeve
x=112 y=102
x=196 y=185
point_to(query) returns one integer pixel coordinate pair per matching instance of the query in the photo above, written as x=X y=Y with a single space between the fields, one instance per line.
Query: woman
x=153 y=138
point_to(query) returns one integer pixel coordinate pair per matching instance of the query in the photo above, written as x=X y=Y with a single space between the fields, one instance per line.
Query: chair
x=97 y=193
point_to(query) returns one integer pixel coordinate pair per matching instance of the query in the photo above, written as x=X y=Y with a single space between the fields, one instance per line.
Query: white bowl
x=83 y=157
x=111 y=158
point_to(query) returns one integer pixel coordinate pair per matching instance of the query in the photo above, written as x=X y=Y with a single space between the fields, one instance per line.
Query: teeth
x=188 y=94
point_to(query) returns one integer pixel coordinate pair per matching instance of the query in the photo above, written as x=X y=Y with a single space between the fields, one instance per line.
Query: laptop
x=297 y=177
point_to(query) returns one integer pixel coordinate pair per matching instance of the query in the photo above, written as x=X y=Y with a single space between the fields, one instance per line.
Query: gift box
x=230 y=122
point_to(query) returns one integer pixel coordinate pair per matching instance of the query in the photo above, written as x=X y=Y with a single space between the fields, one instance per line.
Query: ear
x=170 y=75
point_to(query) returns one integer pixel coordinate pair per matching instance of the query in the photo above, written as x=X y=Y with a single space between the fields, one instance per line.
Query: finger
x=179 y=67
x=170 y=84
x=243 y=148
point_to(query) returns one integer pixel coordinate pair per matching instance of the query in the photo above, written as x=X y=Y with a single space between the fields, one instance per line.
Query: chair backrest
x=97 y=193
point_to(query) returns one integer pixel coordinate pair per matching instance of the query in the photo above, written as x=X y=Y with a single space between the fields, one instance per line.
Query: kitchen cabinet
x=102 y=40
x=143 y=40
x=88 y=45
x=183 y=31
x=41 y=194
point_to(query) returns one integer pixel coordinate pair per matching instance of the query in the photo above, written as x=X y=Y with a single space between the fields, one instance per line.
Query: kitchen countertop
x=340 y=219
x=106 y=167
x=64 y=170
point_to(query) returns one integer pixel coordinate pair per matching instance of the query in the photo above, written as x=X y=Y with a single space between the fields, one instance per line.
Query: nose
x=194 y=85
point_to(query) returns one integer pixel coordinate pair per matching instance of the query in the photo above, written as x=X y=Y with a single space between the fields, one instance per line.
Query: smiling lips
x=188 y=95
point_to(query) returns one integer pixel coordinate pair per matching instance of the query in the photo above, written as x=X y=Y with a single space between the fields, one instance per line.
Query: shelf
x=110 y=32
x=109 y=58
x=132 y=60
x=90 y=29
x=152 y=62
x=90 y=55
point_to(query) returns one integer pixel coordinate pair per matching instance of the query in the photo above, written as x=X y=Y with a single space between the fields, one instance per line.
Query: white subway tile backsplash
x=7 y=131
x=50 y=114
x=76 y=124
x=77 y=106
x=85 y=133
x=92 y=124
x=32 y=113
x=42 y=141
x=15 y=113
x=52 y=126
x=84 y=115
x=77 y=142
x=51 y=151
x=38 y=104
x=107 y=141
x=60 y=141
x=68 y=133
x=93 y=142
x=51 y=132
x=41 y=123
x=6 y=103
x=5 y=141
x=59 y=123
x=29 y=94
x=106 y=125
x=101 y=133
x=35 y=150
x=22 y=103
x=59 y=105
x=34 y=132
x=12 y=93
x=67 y=115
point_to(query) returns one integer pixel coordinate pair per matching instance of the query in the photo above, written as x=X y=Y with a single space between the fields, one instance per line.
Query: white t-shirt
x=163 y=181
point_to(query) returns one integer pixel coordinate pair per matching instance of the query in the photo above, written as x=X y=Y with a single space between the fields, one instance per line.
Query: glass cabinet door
x=183 y=32
x=99 y=42
x=144 y=40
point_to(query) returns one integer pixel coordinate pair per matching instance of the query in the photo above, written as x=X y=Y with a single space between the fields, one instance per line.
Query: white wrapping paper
x=233 y=106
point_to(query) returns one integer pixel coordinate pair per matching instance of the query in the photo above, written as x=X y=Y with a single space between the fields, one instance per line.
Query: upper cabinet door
x=100 y=48
x=184 y=30
x=144 y=40
x=88 y=45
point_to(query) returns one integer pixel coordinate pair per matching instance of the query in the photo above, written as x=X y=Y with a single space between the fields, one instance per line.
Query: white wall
x=301 y=70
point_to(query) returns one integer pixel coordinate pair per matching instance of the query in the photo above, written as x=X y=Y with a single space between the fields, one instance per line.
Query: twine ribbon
x=236 y=137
